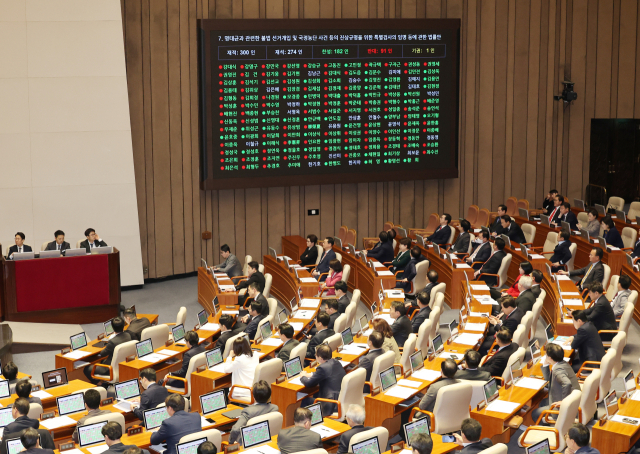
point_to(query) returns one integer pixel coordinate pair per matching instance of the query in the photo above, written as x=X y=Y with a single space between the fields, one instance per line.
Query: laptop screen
x=293 y=367
x=416 y=360
x=178 y=333
x=347 y=336
x=127 y=389
x=316 y=414
x=453 y=327
x=5 y=416
x=78 y=341
x=144 y=348
x=256 y=434
x=420 y=240
x=629 y=383
x=535 y=351
x=203 y=318
x=212 y=402
x=421 y=426
x=55 y=377
x=214 y=357
x=91 y=434
x=190 y=447
x=369 y=446
x=282 y=316
x=216 y=304
x=72 y=403
x=490 y=389
x=265 y=331
x=5 y=391
x=364 y=325
x=153 y=418
x=516 y=372
x=14 y=446
x=437 y=343
x=388 y=378
x=108 y=328
x=541 y=447
x=549 y=331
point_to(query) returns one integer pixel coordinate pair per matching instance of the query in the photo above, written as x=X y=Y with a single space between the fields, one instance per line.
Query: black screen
x=328 y=101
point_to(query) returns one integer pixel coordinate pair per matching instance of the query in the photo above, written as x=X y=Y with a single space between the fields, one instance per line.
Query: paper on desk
x=427 y=374
x=221 y=275
x=230 y=312
x=354 y=350
x=530 y=383
x=636 y=395
x=572 y=302
x=385 y=273
x=619 y=418
x=479 y=287
x=308 y=280
x=475 y=327
x=564 y=294
x=378 y=265
x=310 y=302
x=297 y=326
x=41 y=394
x=367 y=332
x=300 y=396
x=468 y=339
x=537 y=256
x=153 y=358
x=60 y=421
x=462 y=265
x=210 y=327
x=264 y=449
x=344 y=363
x=272 y=341
x=296 y=381
x=324 y=431
x=561 y=344
x=204 y=422
x=410 y=383
x=168 y=352
x=218 y=368
x=386 y=317
x=454 y=356
x=160 y=448
x=477 y=230
x=123 y=405
x=227 y=288
x=73 y=451
x=305 y=314
x=400 y=392
x=394 y=293
x=477 y=314
x=503 y=406
x=562 y=277
x=613 y=248
x=77 y=354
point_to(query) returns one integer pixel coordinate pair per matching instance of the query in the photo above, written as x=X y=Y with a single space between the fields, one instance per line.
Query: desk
x=615 y=437
x=208 y=289
x=49 y=403
x=365 y=279
x=284 y=285
x=293 y=246
x=452 y=276
x=53 y=290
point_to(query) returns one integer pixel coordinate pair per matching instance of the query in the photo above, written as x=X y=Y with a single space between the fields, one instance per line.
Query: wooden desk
x=49 y=403
x=615 y=437
x=439 y=447
x=208 y=290
x=293 y=246
x=452 y=276
x=284 y=285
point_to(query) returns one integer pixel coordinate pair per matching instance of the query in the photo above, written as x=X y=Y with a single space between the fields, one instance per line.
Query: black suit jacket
x=492 y=266
x=255 y=277
x=498 y=362
x=53 y=246
x=601 y=314
x=515 y=233
x=535 y=289
x=476 y=374
x=151 y=397
x=384 y=253
x=13 y=249
x=419 y=318
x=588 y=344
x=345 y=438
x=22 y=423
x=186 y=358
x=526 y=300
x=343 y=303
x=461 y=245
x=410 y=271
x=309 y=256
x=328 y=376
x=46 y=442
x=118 y=339
x=496 y=226
x=441 y=235
x=252 y=326
x=483 y=254
x=327 y=256
x=176 y=427
x=571 y=218
x=265 y=304
x=317 y=340
x=636 y=250
x=401 y=329
x=366 y=361
x=222 y=340
x=136 y=327
x=613 y=238
x=596 y=274
x=119 y=448
x=512 y=320
x=561 y=253
x=477 y=447
x=332 y=319
x=85 y=244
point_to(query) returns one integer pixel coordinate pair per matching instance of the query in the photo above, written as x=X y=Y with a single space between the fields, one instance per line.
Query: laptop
x=534 y=349
x=602 y=242
x=351 y=248
x=629 y=384
x=565 y=226
x=178 y=334
x=294 y=306
x=91 y=434
x=282 y=317
x=153 y=417
x=401 y=232
x=420 y=240
x=293 y=367
x=108 y=328
x=388 y=378
x=125 y=391
x=416 y=360
x=73 y=403
x=364 y=324
x=337 y=242
x=49 y=254
x=629 y=260
x=286 y=262
x=421 y=426
x=266 y=331
x=273 y=253
x=436 y=249
x=5 y=391
x=347 y=337
x=506 y=239
x=203 y=318
x=316 y=414
x=214 y=357
x=369 y=446
x=549 y=333
x=438 y=346
x=102 y=250
x=25 y=255
x=621 y=216
x=190 y=447
x=56 y=377
x=256 y=434
x=611 y=404
x=144 y=348
x=78 y=341
x=524 y=213
x=75 y=252
x=5 y=416
x=578 y=204
x=216 y=305
x=490 y=391
x=584 y=234
x=600 y=209
x=14 y=446
x=212 y=402
x=544 y=220
x=516 y=372
x=453 y=329
x=542 y=447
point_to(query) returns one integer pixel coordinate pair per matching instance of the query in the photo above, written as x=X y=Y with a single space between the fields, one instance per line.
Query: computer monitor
x=388 y=378
x=549 y=332
x=74 y=252
x=629 y=260
x=190 y=447
x=629 y=384
x=203 y=317
x=127 y=389
x=584 y=234
x=214 y=357
x=144 y=348
x=153 y=417
x=5 y=391
x=49 y=254
x=611 y=403
x=293 y=367
x=316 y=414
x=5 y=416
x=216 y=305
x=14 y=446
x=602 y=242
x=534 y=349
x=286 y=262
x=273 y=253
x=73 y=403
x=369 y=446
x=490 y=390
x=544 y=219
x=108 y=328
x=347 y=336
x=524 y=213
x=420 y=240
x=621 y=216
x=212 y=402
x=78 y=341
x=178 y=333
x=578 y=204
x=401 y=232
x=417 y=362
x=566 y=227
x=256 y=434
x=516 y=372
x=453 y=328
x=507 y=240
x=102 y=250
x=542 y=447
x=438 y=346
x=436 y=249
x=337 y=242
x=282 y=317
x=265 y=331
x=56 y=377
x=420 y=426
x=600 y=209
x=91 y=434
x=364 y=324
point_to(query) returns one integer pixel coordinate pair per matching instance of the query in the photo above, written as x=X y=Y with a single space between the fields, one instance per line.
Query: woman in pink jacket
x=335 y=275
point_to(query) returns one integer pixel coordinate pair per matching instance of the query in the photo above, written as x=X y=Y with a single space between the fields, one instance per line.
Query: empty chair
x=352 y=236
x=350 y=393
x=529 y=231
x=158 y=334
x=629 y=236
x=195 y=362
x=617 y=203
x=274 y=418
x=612 y=288
x=408 y=350
x=115 y=417
x=355 y=297
x=180 y=318
x=267 y=285
x=588 y=403
x=212 y=435
x=422 y=343
x=340 y=324
x=451 y=408
x=618 y=343
x=120 y=354
x=520 y=335
x=380 y=364
x=606 y=366
x=472 y=214
x=437 y=301
x=537 y=309
x=527 y=321
x=634 y=210
x=434 y=317
x=433 y=223
x=268 y=370
x=380 y=432
x=477 y=394
x=512 y=206
x=350 y=314
x=483 y=219
x=273 y=307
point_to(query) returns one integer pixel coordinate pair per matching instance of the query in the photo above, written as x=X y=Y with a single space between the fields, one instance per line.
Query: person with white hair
x=526 y=299
x=355 y=419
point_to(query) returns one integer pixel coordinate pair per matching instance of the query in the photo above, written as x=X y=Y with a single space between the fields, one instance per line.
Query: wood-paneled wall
x=514 y=139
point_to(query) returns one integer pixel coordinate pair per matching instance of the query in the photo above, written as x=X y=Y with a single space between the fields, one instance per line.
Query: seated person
x=512 y=229
x=231 y=265
x=593 y=272
x=355 y=419
x=112 y=432
x=375 y=342
x=496 y=228
x=600 y=313
x=59 y=244
x=449 y=369
x=288 y=342
x=19 y=247
x=253 y=319
x=578 y=438
x=92 y=404
x=482 y=250
x=327 y=376
x=432 y=277
x=611 y=234
x=566 y=215
x=10 y=372
x=537 y=276
x=241 y=364
x=410 y=271
x=300 y=437
x=192 y=339
x=497 y=363
x=325 y=260
x=510 y=318
x=384 y=251
x=443 y=232
x=469 y=437
x=93 y=240
x=526 y=299
x=424 y=311
x=331 y=308
x=107 y=352
x=152 y=395
x=206 y=448
x=561 y=253
x=555 y=211
x=310 y=254
x=254 y=276
x=322 y=332
x=619 y=301
x=586 y=342
x=334 y=276
x=548 y=204
x=492 y=265
x=23 y=389
x=470 y=369
x=341 y=295
x=593 y=227
x=30 y=439
x=254 y=294
x=461 y=245
x=136 y=325
x=525 y=269
x=21 y=421
x=402 y=259
x=228 y=328
x=177 y=425
x=261 y=393
x=421 y=443
x=402 y=325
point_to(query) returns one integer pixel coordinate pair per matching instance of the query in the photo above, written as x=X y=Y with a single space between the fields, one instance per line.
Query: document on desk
x=468 y=339
x=308 y=280
x=400 y=392
x=324 y=431
x=218 y=368
x=153 y=358
x=427 y=374
x=576 y=302
x=229 y=312
x=451 y=355
x=310 y=302
x=378 y=265
x=305 y=314
x=210 y=327
x=537 y=256
x=344 y=363
x=272 y=342
x=530 y=383
x=636 y=395
x=569 y=294
x=166 y=351
x=478 y=314
x=479 y=287
x=123 y=405
x=41 y=394
x=462 y=265
x=264 y=449
x=77 y=354
x=60 y=421
x=297 y=326
x=480 y=327
x=394 y=293
x=626 y=420
x=356 y=349
x=73 y=451
x=386 y=317
x=227 y=288
x=410 y=383
x=503 y=406
x=385 y=273
x=296 y=381
x=562 y=277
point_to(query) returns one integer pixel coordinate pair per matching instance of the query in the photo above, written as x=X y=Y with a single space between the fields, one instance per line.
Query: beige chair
x=158 y=334
x=261 y=268
x=555 y=434
x=245 y=267
x=537 y=309
x=355 y=297
x=529 y=231
x=350 y=393
x=380 y=432
x=629 y=236
x=320 y=252
x=228 y=346
x=618 y=343
x=339 y=257
x=440 y=288
x=607 y=275
x=453 y=234
x=606 y=366
x=422 y=342
x=346 y=271
x=437 y=301
x=583 y=219
x=350 y=312
x=212 y=435
x=300 y=351
x=627 y=315
x=380 y=364
x=498 y=448
x=550 y=244
x=195 y=362
x=477 y=394
x=571 y=263
x=520 y=335
x=527 y=321
x=268 y=279
x=434 y=317
x=340 y=324
x=408 y=350
x=516 y=356
x=617 y=203
x=274 y=418
x=273 y=307
x=35 y=411
x=268 y=370
x=612 y=289
x=420 y=280
x=588 y=403
x=335 y=341
x=44 y=245
x=472 y=240
x=115 y=417
x=634 y=210
x=502 y=272
x=78 y=243
x=180 y=319
x=543 y=295
x=451 y=408
x=120 y=354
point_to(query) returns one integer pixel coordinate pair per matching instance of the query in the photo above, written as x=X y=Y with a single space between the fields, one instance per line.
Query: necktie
x=19 y=249
x=58 y=247
x=585 y=276
x=553 y=213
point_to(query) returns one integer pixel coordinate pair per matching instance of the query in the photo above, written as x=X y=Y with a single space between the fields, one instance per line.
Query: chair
x=571 y=263
x=607 y=275
x=351 y=315
x=549 y=245
x=352 y=236
x=420 y=280
x=483 y=219
x=512 y=206
x=245 y=267
x=472 y=240
x=195 y=362
x=453 y=234
x=299 y=350
x=583 y=218
x=268 y=279
x=408 y=350
x=335 y=341
x=380 y=432
x=387 y=226
x=434 y=317
x=228 y=346
x=520 y=335
x=618 y=343
x=340 y=324
x=158 y=334
x=498 y=448
x=472 y=214
x=634 y=210
x=535 y=316
x=627 y=315
x=527 y=321
x=350 y=393
x=381 y=363
x=273 y=307
x=502 y=272
x=261 y=268
x=588 y=404
x=100 y=389
x=115 y=417
x=477 y=394
x=44 y=245
x=437 y=301
x=606 y=365
x=120 y=354
x=77 y=243
x=275 y=419
x=516 y=356
x=432 y=224
x=212 y=435
x=355 y=297
x=612 y=289
x=268 y=370
x=346 y=271
x=617 y=203
x=35 y=410
x=451 y=408
x=180 y=318
x=423 y=340
x=529 y=231
x=555 y=434
x=440 y=288
x=523 y=203
x=342 y=234
x=629 y=236
x=339 y=257
x=320 y=252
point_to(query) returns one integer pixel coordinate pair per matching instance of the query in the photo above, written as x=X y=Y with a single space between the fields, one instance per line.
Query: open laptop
x=578 y=204
x=293 y=367
x=337 y=242
x=421 y=426
x=256 y=434
x=212 y=402
x=5 y=416
x=91 y=434
x=602 y=242
x=420 y=240
x=144 y=348
x=453 y=329
x=600 y=209
x=282 y=317
x=621 y=216
x=542 y=447
x=49 y=254
x=78 y=341
x=214 y=357
x=584 y=234
x=5 y=390
x=437 y=344
x=14 y=446
x=629 y=260
x=73 y=403
x=364 y=323
x=516 y=372
x=273 y=253
x=153 y=417
x=56 y=377
x=127 y=392
x=352 y=248
x=629 y=384
x=401 y=232
x=565 y=226
x=190 y=447
x=549 y=333
x=216 y=305
x=347 y=337
x=178 y=334
x=416 y=360
x=611 y=404
x=534 y=349
x=75 y=252
x=294 y=306
x=368 y=446
x=436 y=249
x=524 y=213
x=388 y=378
x=491 y=392
x=102 y=250
x=506 y=239
x=544 y=220
x=108 y=328
x=266 y=331
x=24 y=255
x=203 y=318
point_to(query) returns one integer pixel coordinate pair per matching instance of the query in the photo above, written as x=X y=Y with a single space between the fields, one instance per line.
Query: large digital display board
x=295 y=102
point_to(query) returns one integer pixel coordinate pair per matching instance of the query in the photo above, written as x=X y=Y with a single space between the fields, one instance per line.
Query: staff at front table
x=93 y=241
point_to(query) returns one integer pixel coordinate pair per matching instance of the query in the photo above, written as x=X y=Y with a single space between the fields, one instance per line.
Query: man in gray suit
x=92 y=404
x=177 y=425
x=593 y=272
x=355 y=419
x=328 y=376
x=376 y=339
x=262 y=394
x=449 y=369
x=562 y=380
x=231 y=265
x=470 y=369
x=59 y=244
x=288 y=343
x=469 y=437
x=300 y=437
x=112 y=432
x=620 y=299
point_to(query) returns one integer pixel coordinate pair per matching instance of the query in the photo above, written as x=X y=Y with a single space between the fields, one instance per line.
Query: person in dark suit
x=469 y=437
x=594 y=272
x=300 y=437
x=253 y=319
x=93 y=240
x=548 y=204
x=341 y=295
x=526 y=299
x=327 y=256
x=470 y=369
x=578 y=438
x=554 y=215
x=586 y=342
x=443 y=232
x=59 y=244
x=30 y=439
x=177 y=425
x=432 y=277
x=333 y=311
x=461 y=245
x=10 y=373
x=107 y=352
x=384 y=252
x=492 y=265
x=288 y=342
x=566 y=215
x=322 y=324
x=310 y=254
x=497 y=363
x=537 y=276
x=410 y=271
x=23 y=389
x=21 y=421
x=254 y=276
x=261 y=393
x=112 y=432
x=376 y=339
x=481 y=252
x=561 y=253
x=424 y=311
x=194 y=349
x=448 y=368
x=512 y=230
x=136 y=325
x=153 y=394
x=255 y=295
x=636 y=249
x=228 y=328
x=611 y=234
x=355 y=418
x=600 y=313
x=328 y=376
x=92 y=404
x=509 y=318
x=402 y=325
x=19 y=247
x=496 y=228
x=402 y=259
